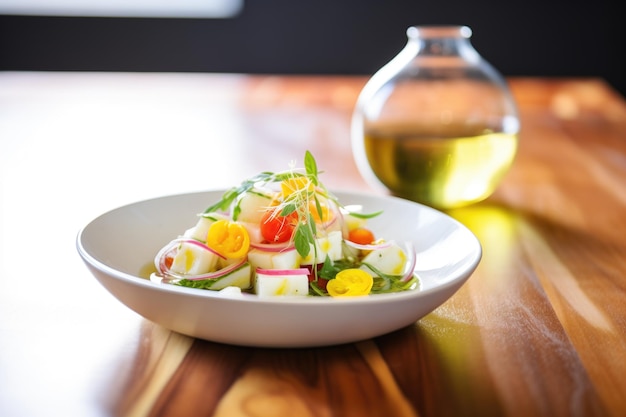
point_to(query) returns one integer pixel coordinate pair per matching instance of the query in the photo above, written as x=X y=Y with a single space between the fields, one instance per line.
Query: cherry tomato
x=361 y=235
x=276 y=228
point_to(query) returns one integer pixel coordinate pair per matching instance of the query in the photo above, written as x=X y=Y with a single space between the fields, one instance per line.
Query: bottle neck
x=442 y=41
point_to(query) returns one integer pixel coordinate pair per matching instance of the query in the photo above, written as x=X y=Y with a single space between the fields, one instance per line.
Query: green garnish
x=385 y=283
x=306 y=191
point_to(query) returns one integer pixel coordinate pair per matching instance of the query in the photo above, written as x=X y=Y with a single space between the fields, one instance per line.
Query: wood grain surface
x=538 y=330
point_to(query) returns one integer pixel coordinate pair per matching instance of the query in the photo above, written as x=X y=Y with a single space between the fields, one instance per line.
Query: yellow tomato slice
x=229 y=239
x=296 y=184
x=350 y=282
x=326 y=214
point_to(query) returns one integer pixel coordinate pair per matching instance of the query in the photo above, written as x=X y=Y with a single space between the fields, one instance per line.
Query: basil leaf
x=302 y=241
x=310 y=166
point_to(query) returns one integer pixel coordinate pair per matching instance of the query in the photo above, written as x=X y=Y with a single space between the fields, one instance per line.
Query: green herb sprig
x=297 y=202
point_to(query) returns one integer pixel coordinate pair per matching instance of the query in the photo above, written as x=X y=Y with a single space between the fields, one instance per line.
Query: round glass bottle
x=437 y=124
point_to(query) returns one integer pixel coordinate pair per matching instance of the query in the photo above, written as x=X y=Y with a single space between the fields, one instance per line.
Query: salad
x=284 y=233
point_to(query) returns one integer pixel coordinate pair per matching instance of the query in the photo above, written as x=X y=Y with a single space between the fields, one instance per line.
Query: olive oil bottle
x=437 y=124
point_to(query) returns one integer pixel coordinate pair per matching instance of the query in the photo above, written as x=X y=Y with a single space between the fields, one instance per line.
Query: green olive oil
x=442 y=171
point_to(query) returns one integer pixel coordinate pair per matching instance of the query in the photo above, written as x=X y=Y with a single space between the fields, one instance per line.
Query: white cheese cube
x=201 y=229
x=353 y=222
x=330 y=246
x=281 y=285
x=254 y=231
x=288 y=259
x=252 y=205
x=390 y=260
x=191 y=259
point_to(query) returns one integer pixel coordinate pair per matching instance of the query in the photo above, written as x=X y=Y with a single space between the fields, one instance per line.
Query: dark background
x=520 y=38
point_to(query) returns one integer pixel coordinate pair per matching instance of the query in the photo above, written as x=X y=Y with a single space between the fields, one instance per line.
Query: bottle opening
x=439 y=31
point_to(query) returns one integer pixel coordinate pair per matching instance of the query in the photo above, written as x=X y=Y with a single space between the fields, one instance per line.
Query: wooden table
x=538 y=330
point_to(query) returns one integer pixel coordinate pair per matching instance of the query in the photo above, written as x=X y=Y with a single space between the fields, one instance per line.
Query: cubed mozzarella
x=353 y=222
x=288 y=259
x=254 y=231
x=201 y=229
x=330 y=245
x=191 y=259
x=252 y=205
x=280 y=285
x=390 y=260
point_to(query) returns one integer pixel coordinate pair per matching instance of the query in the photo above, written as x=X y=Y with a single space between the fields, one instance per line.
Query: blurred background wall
x=521 y=38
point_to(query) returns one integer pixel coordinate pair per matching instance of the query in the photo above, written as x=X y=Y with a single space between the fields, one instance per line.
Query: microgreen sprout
x=302 y=193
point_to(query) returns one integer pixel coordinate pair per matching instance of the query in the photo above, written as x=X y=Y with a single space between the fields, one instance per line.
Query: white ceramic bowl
x=117 y=246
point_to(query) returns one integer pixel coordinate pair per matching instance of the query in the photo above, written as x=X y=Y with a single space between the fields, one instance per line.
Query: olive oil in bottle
x=441 y=171
x=437 y=124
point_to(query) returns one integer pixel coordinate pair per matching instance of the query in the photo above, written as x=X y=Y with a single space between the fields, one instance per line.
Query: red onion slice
x=376 y=246
x=273 y=247
x=200 y=244
x=283 y=272
x=209 y=275
x=160 y=261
